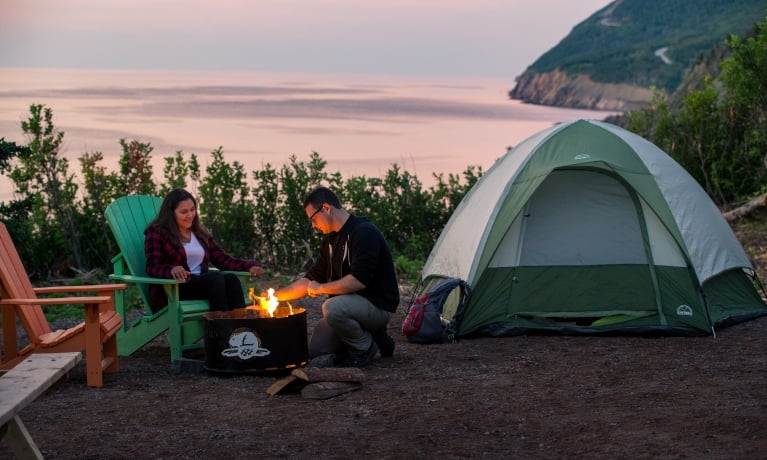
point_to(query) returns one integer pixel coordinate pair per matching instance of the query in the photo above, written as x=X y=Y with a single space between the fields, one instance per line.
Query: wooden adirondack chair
x=96 y=335
x=128 y=216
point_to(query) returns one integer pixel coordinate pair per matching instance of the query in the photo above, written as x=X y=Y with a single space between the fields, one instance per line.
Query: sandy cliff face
x=579 y=91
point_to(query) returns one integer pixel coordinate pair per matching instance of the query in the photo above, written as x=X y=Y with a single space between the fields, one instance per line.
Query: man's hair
x=320 y=196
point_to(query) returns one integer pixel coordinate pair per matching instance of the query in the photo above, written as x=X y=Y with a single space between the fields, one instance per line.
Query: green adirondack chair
x=128 y=216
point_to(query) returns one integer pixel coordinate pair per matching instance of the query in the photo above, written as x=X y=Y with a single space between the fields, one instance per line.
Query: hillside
x=612 y=59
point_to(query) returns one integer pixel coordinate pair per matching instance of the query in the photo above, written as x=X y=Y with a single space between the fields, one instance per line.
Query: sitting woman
x=178 y=246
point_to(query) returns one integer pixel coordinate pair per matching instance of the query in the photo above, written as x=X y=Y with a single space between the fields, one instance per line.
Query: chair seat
x=194 y=307
x=54 y=338
x=110 y=321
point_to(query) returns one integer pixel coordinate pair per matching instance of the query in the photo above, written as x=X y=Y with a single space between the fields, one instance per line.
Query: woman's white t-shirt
x=194 y=255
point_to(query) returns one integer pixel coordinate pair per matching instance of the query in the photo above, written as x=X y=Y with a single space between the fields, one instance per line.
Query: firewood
x=330 y=374
x=756 y=203
x=286 y=383
x=327 y=390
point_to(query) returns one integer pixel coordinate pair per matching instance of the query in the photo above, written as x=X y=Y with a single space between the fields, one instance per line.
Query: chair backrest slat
x=15 y=284
x=128 y=217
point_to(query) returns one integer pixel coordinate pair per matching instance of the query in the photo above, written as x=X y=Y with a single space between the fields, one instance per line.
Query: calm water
x=360 y=125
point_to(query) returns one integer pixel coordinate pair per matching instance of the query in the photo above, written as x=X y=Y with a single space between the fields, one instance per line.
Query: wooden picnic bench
x=23 y=384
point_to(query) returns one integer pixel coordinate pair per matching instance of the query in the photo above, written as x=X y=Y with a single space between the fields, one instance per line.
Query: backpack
x=424 y=322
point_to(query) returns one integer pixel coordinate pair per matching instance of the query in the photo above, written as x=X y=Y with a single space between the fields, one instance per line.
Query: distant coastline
x=359 y=125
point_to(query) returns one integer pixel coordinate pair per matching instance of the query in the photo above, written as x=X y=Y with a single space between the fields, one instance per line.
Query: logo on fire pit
x=244 y=344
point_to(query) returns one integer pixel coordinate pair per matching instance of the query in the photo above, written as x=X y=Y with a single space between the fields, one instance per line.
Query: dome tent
x=588 y=228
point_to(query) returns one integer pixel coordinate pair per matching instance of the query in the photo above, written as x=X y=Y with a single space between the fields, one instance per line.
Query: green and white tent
x=588 y=228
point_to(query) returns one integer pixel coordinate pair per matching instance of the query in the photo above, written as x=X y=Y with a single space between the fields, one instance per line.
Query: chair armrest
x=150 y=280
x=99 y=299
x=83 y=288
x=118 y=259
x=240 y=274
x=143 y=279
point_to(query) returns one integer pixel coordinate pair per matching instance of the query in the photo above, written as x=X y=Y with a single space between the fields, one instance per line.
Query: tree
x=266 y=198
x=136 y=168
x=43 y=175
x=717 y=134
x=9 y=151
x=15 y=209
x=178 y=172
x=226 y=207
x=15 y=213
x=744 y=75
x=100 y=189
x=297 y=238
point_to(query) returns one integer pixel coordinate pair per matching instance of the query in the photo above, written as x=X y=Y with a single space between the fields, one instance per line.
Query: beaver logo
x=244 y=344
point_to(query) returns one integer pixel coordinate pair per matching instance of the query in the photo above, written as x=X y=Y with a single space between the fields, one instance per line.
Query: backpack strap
x=452 y=328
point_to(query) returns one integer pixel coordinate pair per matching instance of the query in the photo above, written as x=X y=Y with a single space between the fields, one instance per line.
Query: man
x=356 y=271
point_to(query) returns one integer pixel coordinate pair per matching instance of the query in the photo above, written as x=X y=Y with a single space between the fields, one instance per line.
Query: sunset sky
x=366 y=83
x=490 y=38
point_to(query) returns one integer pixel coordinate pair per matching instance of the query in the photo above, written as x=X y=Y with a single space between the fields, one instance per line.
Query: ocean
x=360 y=124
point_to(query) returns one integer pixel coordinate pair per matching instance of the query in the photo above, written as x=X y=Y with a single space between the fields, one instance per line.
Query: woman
x=178 y=246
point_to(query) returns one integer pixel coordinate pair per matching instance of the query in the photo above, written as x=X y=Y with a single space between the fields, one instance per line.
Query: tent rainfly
x=588 y=228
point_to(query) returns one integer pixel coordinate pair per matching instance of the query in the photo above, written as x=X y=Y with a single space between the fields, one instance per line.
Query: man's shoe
x=361 y=359
x=384 y=341
x=326 y=360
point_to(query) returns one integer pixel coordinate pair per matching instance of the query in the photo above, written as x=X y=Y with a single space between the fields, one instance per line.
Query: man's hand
x=313 y=289
x=295 y=290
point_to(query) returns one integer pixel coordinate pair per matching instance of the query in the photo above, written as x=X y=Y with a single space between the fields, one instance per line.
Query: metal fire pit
x=247 y=340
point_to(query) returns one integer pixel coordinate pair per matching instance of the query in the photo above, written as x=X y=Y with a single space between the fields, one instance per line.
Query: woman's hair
x=165 y=222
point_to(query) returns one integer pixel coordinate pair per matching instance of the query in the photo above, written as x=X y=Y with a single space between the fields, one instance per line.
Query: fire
x=268 y=304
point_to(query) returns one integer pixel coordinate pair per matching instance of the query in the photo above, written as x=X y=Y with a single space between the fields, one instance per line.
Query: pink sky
x=498 y=38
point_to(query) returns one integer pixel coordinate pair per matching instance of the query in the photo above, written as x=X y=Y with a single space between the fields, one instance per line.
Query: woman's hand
x=256 y=271
x=179 y=273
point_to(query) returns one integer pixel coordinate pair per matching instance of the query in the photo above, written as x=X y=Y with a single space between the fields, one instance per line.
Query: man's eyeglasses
x=311 y=218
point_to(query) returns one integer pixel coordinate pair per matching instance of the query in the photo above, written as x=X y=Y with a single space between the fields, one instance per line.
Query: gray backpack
x=424 y=322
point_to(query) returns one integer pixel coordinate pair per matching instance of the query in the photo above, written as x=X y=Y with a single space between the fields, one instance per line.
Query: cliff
x=578 y=91
x=611 y=60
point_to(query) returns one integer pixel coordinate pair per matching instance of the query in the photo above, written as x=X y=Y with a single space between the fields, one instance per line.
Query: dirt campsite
x=534 y=396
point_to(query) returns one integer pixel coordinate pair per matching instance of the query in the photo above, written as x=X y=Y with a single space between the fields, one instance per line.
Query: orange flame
x=271 y=303
x=268 y=304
